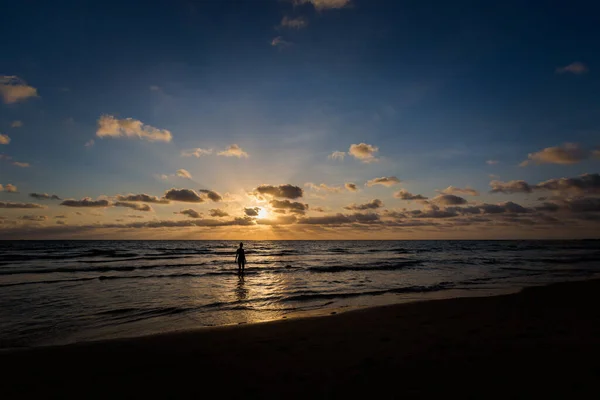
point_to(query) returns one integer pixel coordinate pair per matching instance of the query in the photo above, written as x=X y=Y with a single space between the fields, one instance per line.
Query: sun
x=263 y=213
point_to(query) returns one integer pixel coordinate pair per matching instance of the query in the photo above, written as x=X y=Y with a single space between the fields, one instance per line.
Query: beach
x=542 y=341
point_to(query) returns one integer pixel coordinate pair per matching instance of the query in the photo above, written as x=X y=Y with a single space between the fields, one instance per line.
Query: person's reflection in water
x=241 y=293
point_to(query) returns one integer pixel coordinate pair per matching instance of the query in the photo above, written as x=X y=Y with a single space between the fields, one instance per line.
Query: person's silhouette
x=240 y=258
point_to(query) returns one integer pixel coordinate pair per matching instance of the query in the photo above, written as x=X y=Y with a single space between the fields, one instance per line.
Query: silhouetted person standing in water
x=240 y=257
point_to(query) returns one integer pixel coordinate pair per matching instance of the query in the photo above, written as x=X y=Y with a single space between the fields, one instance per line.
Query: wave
x=310 y=296
x=95 y=269
x=370 y=267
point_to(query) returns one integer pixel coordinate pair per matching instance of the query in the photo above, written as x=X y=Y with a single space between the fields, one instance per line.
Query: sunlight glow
x=263 y=213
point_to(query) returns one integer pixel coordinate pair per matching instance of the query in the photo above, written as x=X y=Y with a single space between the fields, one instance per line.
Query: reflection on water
x=241 y=293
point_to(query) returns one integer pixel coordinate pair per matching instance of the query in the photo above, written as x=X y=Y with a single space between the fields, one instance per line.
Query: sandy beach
x=543 y=341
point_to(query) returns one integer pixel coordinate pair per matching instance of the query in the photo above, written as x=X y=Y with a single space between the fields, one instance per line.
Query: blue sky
x=438 y=88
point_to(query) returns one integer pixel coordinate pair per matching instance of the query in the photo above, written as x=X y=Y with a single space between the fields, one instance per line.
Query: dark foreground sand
x=542 y=342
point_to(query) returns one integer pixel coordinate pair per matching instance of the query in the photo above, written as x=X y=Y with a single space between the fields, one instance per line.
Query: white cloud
x=455 y=190
x=576 y=68
x=233 y=151
x=325 y=4
x=337 y=155
x=294 y=23
x=16 y=124
x=184 y=174
x=280 y=43
x=14 y=89
x=364 y=152
x=568 y=153
x=324 y=187
x=8 y=188
x=4 y=139
x=109 y=126
x=197 y=152
x=384 y=180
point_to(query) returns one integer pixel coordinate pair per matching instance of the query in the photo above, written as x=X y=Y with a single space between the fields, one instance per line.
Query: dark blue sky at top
x=474 y=79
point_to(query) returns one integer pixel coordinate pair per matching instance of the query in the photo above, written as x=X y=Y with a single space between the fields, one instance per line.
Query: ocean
x=59 y=292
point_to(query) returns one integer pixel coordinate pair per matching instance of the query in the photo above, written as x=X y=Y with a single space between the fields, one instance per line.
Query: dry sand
x=544 y=341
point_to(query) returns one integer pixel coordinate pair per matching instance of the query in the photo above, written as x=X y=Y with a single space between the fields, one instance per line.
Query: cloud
x=510 y=187
x=5 y=204
x=44 y=196
x=4 y=139
x=234 y=151
x=190 y=213
x=325 y=4
x=89 y=143
x=293 y=207
x=448 y=200
x=324 y=187
x=466 y=191
x=404 y=194
x=286 y=191
x=576 y=68
x=85 y=202
x=9 y=187
x=351 y=186
x=280 y=220
x=197 y=152
x=109 y=126
x=62 y=216
x=14 y=89
x=184 y=195
x=373 y=204
x=294 y=23
x=21 y=164
x=586 y=183
x=433 y=211
x=252 y=212
x=34 y=218
x=215 y=212
x=568 y=153
x=384 y=180
x=134 y=206
x=491 y=162
x=212 y=195
x=142 y=198
x=318 y=209
x=364 y=152
x=337 y=155
x=280 y=43
x=16 y=124
x=184 y=174
x=341 y=219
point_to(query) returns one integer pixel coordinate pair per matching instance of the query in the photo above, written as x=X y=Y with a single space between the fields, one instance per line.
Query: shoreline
x=541 y=340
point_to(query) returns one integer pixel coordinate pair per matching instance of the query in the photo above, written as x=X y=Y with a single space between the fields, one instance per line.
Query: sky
x=299 y=119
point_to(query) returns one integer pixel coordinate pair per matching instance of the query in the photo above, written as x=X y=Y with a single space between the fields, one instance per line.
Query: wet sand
x=543 y=341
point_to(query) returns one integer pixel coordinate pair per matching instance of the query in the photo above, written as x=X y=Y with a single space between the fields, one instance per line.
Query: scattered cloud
x=286 y=191
x=252 y=212
x=8 y=204
x=568 y=153
x=371 y=205
x=184 y=195
x=8 y=188
x=351 y=186
x=89 y=143
x=233 y=151
x=190 y=213
x=146 y=198
x=21 y=164
x=325 y=4
x=184 y=174
x=492 y=162
x=384 y=180
x=134 y=206
x=583 y=184
x=4 y=139
x=33 y=218
x=155 y=88
x=510 y=187
x=280 y=43
x=109 y=126
x=212 y=195
x=466 y=191
x=13 y=89
x=293 y=207
x=293 y=23
x=404 y=194
x=337 y=155
x=364 y=152
x=218 y=213
x=44 y=196
x=62 y=216
x=448 y=200
x=341 y=219
x=197 y=152
x=85 y=202
x=576 y=68
x=324 y=187
x=16 y=124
